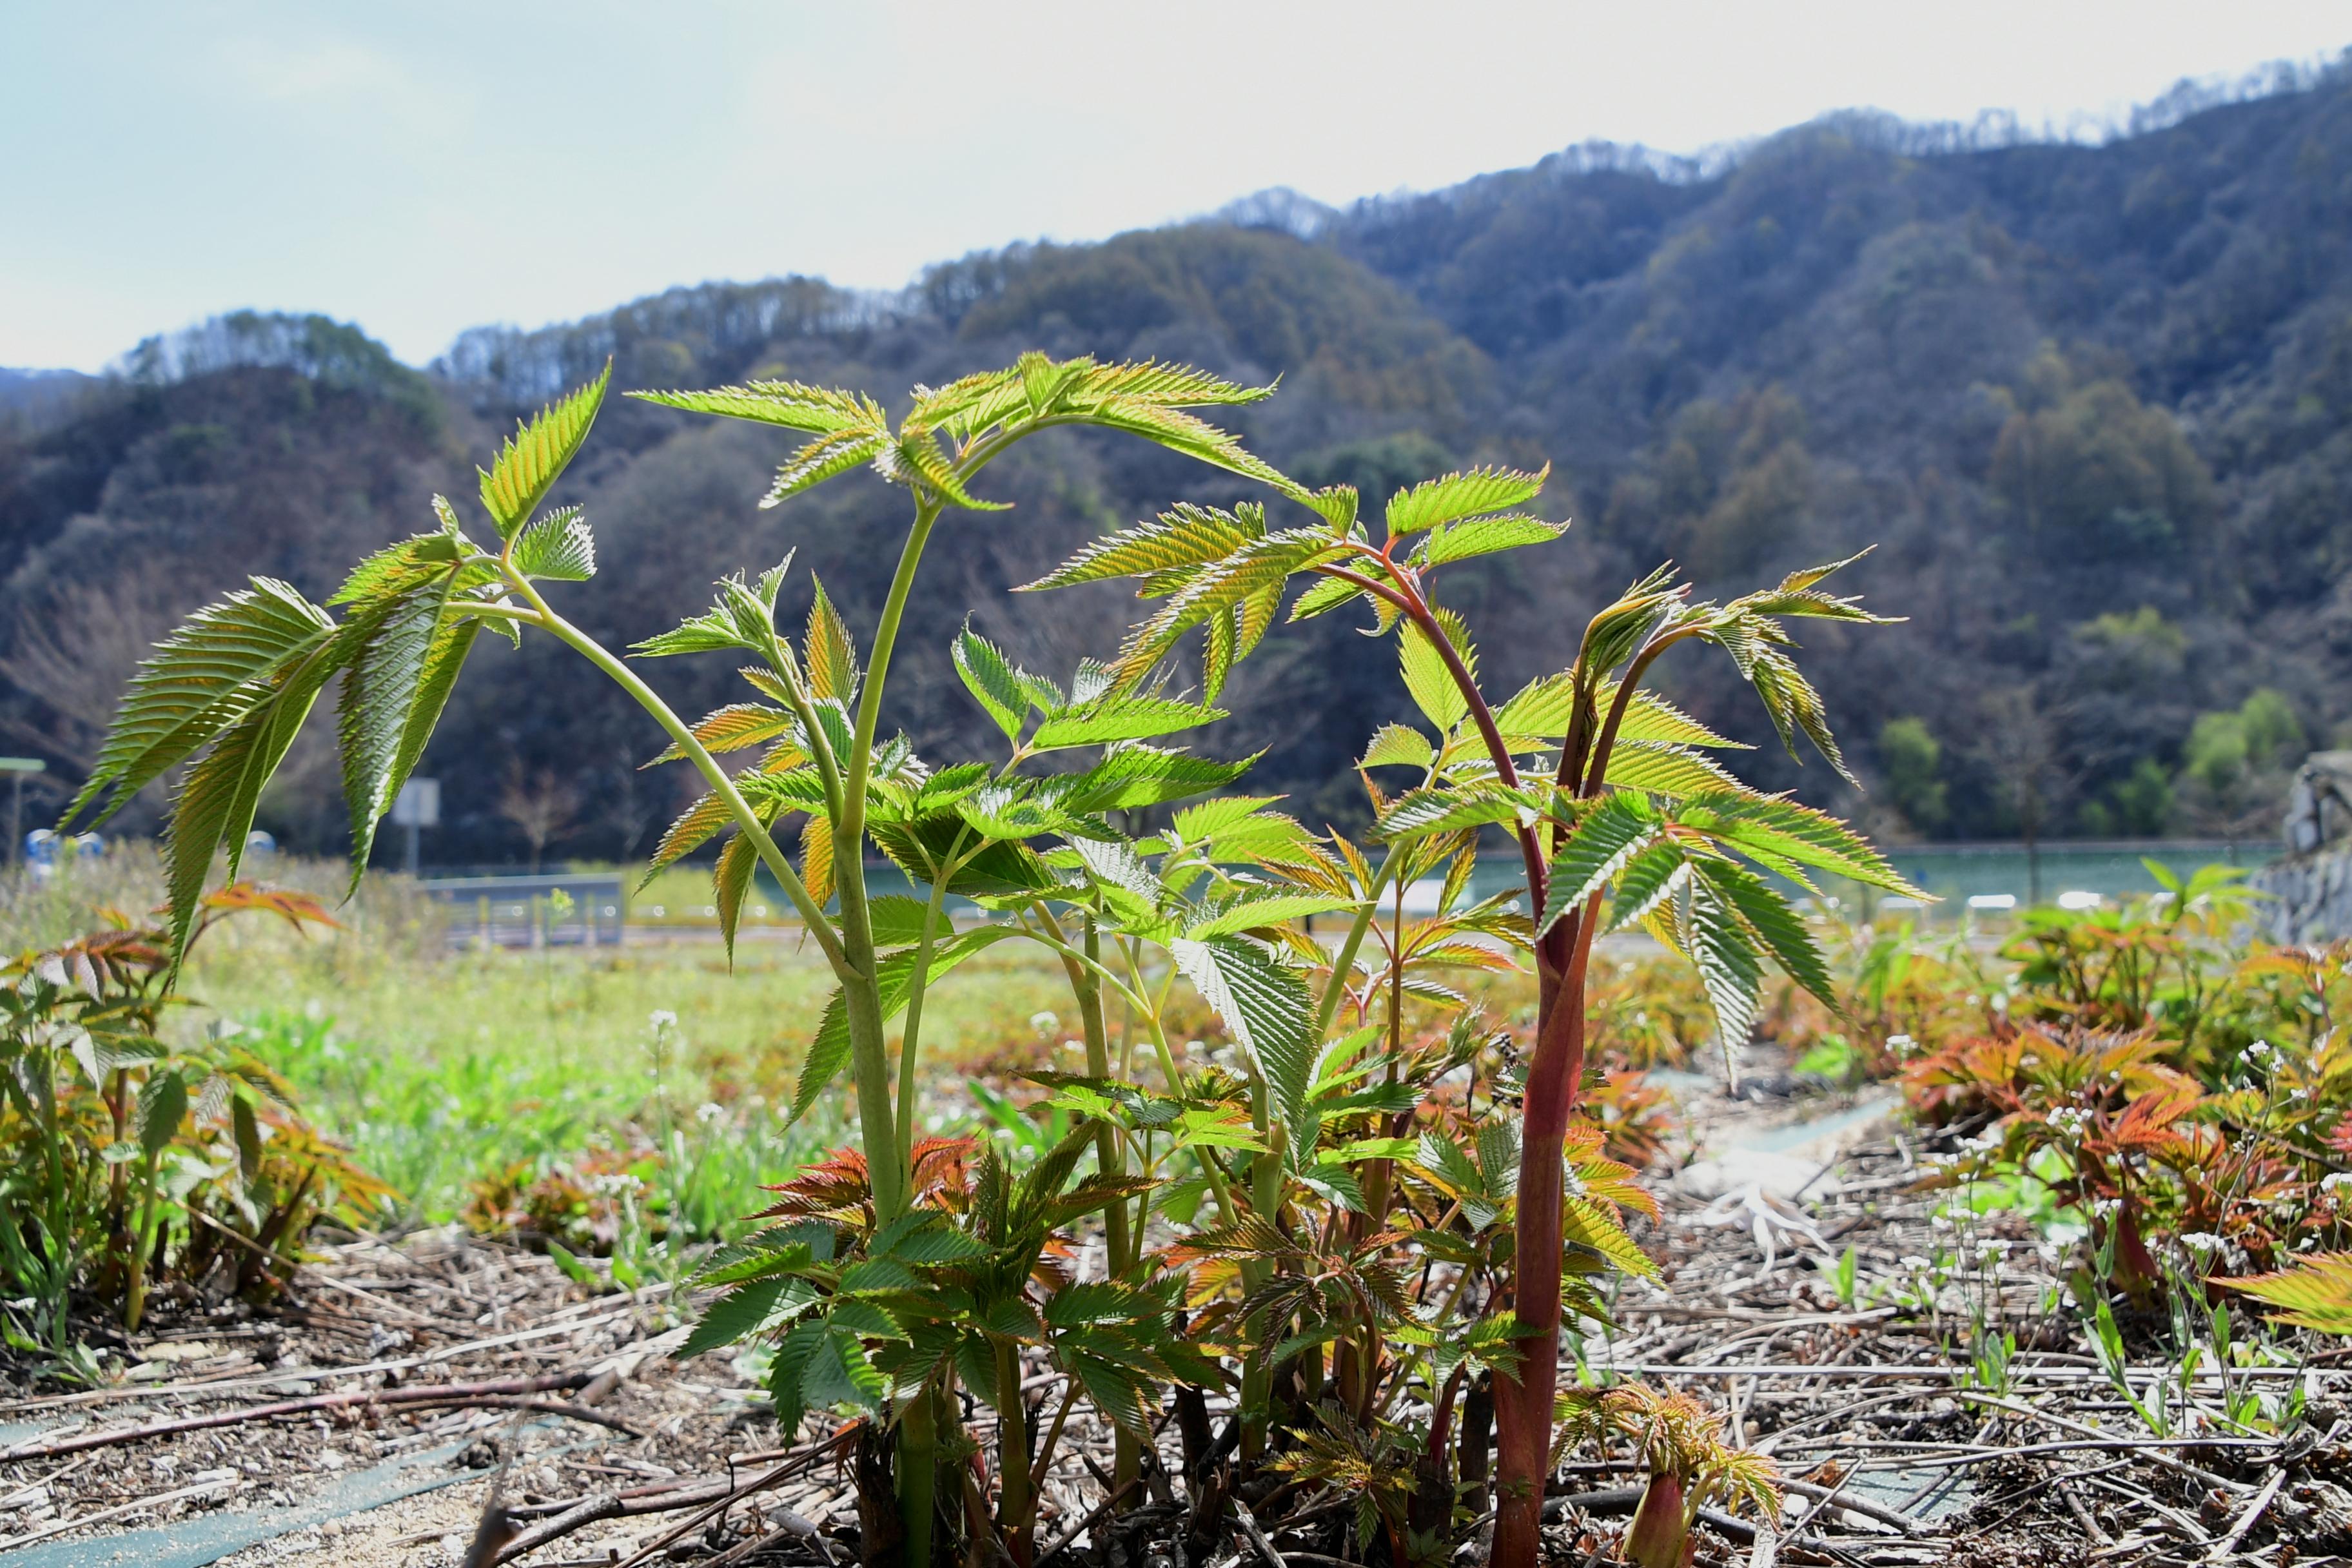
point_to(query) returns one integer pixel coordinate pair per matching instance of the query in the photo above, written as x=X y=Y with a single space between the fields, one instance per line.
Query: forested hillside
x=2093 y=405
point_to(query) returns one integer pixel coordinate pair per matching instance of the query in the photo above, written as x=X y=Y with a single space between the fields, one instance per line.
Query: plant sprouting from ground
x=224 y=699
x=1691 y=1465
x=1376 y=1250
x=132 y=1161
x=1619 y=816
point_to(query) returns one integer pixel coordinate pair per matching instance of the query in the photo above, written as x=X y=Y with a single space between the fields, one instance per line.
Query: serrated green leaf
x=1135 y=774
x=163 y=1102
x=206 y=677
x=730 y=879
x=1675 y=771
x=1783 y=828
x=1602 y=841
x=1119 y=719
x=1326 y=594
x=1542 y=709
x=734 y=1317
x=1774 y=922
x=557 y=547
x=1485 y=536
x=924 y=1237
x=1160 y=382
x=1587 y=1223
x=796 y=406
x=1651 y=718
x=1211 y=817
x=898 y=921
x=1398 y=745
x=1209 y=596
x=1183 y=536
x=2314 y=1292
x=385 y=690
x=695 y=826
x=1268 y=1011
x=1248 y=913
x=1421 y=812
x=993 y=682
x=821 y=459
x=1648 y=880
x=832 y=656
x=1718 y=943
x=840 y=1373
x=535 y=457
x=1426 y=675
x=1457 y=496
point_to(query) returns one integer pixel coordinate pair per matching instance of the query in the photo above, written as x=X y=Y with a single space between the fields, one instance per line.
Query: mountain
x=2090 y=407
x=37 y=392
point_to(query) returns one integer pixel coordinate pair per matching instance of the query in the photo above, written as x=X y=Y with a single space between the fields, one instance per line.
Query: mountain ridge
x=2094 y=403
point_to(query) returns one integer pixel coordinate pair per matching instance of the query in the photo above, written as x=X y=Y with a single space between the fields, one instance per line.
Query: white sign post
x=418 y=805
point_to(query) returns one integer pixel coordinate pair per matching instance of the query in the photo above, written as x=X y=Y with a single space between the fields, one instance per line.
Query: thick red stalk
x=1523 y=1403
x=1660 y=1537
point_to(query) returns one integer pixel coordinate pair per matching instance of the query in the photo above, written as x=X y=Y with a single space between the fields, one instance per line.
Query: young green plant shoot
x=1386 y=1269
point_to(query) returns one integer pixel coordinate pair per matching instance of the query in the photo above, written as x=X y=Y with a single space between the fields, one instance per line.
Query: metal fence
x=587 y=910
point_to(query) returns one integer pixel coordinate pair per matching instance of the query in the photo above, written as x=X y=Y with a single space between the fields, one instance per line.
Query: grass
x=441 y=1067
x=445 y=1068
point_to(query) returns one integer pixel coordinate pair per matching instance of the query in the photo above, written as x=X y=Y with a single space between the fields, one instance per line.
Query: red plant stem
x=1409 y=600
x=1523 y=1403
x=1660 y=1530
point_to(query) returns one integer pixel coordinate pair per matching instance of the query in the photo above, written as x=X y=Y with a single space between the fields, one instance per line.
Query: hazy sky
x=422 y=167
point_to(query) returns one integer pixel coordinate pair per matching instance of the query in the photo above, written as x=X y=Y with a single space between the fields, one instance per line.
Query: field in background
x=442 y=1065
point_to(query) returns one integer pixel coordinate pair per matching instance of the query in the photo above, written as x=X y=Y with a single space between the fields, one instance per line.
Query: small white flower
x=2200 y=1241
x=1900 y=1042
x=615 y=1185
x=2259 y=1050
x=710 y=1112
x=2335 y=1181
x=662 y=1019
x=1044 y=1022
x=1913 y=1261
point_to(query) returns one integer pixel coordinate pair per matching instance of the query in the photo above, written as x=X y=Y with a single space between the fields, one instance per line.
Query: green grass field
x=443 y=1067
x=439 y=1067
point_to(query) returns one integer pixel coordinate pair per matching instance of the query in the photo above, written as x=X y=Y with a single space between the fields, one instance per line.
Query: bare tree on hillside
x=74 y=648
x=540 y=804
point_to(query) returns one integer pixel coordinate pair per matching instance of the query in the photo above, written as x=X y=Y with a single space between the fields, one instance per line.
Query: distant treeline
x=2092 y=401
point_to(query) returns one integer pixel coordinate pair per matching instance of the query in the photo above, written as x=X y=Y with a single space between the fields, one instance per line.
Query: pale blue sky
x=425 y=166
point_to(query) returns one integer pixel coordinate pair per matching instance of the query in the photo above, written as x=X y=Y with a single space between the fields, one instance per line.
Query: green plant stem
x=1086 y=972
x=1127 y=1458
x=57 y=1242
x=143 y=1244
x=919 y=1457
x=851 y=953
x=747 y=821
x=1343 y=957
x=1158 y=1033
x=917 y=986
x=1011 y=1460
x=862 y=1002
